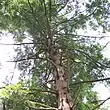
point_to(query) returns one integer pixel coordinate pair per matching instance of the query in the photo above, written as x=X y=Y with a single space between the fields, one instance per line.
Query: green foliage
x=20 y=96
x=15 y=97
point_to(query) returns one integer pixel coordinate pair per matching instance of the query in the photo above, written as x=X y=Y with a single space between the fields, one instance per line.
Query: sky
x=7 y=69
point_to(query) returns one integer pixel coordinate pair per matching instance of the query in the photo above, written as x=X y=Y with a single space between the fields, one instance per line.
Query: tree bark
x=61 y=82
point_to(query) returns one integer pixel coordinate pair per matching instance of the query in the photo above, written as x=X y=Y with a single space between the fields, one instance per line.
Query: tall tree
x=56 y=56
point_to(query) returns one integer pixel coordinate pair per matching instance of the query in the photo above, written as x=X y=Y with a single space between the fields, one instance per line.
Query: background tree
x=56 y=58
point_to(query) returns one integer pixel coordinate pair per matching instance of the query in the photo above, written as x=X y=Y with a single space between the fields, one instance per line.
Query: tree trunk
x=61 y=82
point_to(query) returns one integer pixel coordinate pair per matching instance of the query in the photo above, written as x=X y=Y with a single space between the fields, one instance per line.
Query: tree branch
x=89 y=57
x=101 y=103
x=106 y=45
x=43 y=108
x=35 y=17
x=18 y=44
x=91 y=81
x=39 y=90
x=48 y=24
x=62 y=7
x=29 y=58
x=75 y=17
x=87 y=36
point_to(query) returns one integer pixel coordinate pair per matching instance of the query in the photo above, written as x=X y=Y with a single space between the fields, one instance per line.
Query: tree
x=56 y=57
x=14 y=97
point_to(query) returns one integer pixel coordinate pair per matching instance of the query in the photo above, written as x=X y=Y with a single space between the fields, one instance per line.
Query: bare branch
x=91 y=81
x=106 y=45
x=85 y=36
x=101 y=103
x=29 y=58
x=18 y=43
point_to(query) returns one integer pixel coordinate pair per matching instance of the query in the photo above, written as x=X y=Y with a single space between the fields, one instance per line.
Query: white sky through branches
x=7 y=69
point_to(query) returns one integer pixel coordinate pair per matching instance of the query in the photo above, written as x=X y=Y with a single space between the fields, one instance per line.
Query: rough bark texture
x=61 y=82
